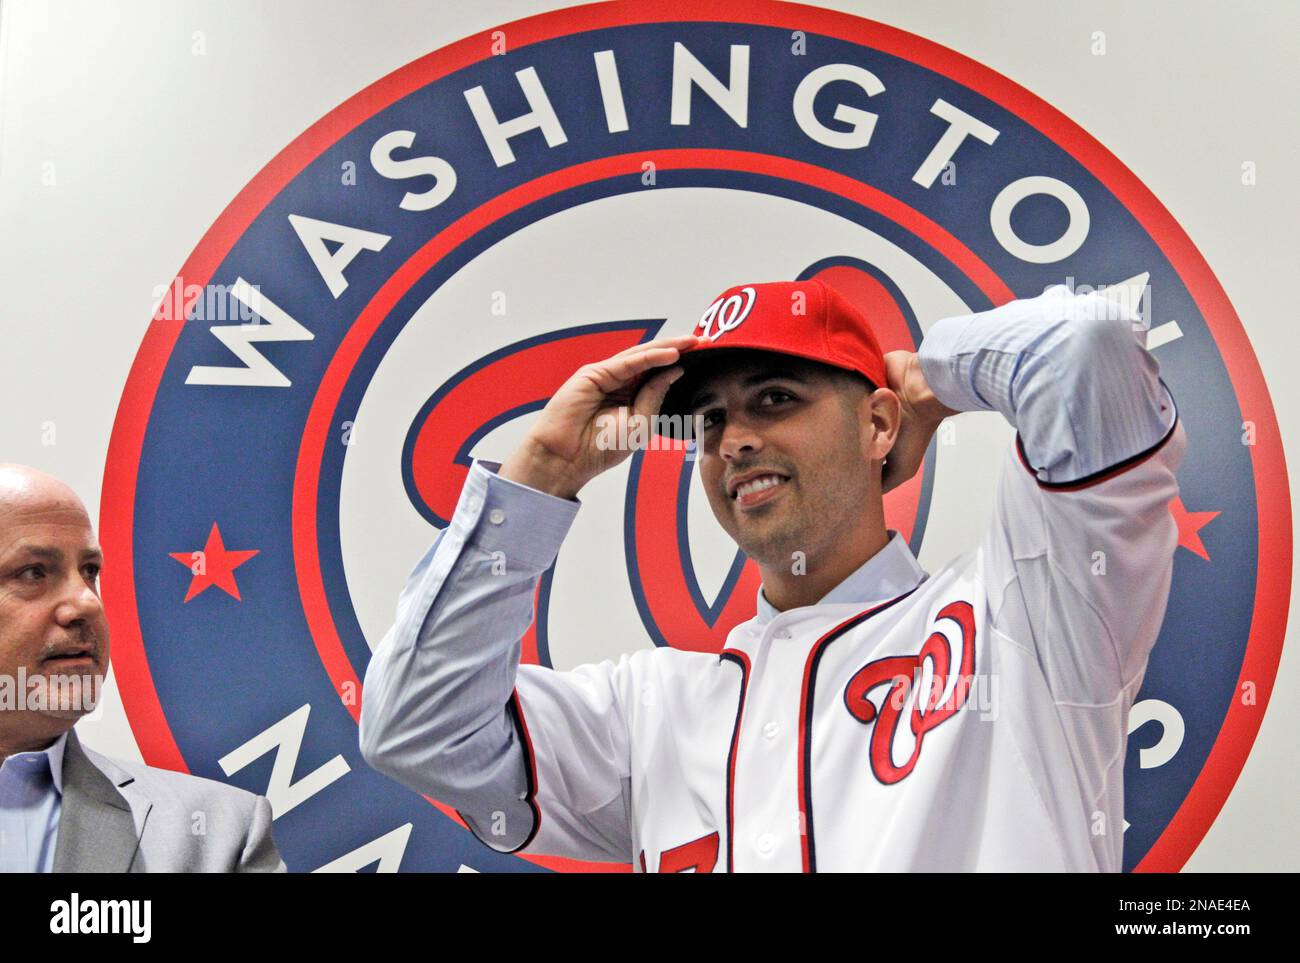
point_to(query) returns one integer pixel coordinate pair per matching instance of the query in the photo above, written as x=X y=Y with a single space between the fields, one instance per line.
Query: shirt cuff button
x=496 y=516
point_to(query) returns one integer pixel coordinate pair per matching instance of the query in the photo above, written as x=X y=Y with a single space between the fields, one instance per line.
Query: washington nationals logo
x=924 y=704
x=728 y=313
x=408 y=282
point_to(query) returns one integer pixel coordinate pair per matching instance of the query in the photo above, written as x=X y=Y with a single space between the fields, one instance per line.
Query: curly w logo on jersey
x=513 y=217
x=924 y=689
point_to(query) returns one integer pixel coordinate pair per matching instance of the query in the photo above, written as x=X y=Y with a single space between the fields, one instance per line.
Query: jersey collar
x=889 y=573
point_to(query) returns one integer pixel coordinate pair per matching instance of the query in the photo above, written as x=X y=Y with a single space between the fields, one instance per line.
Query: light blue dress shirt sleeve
x=1078 y=555
x=1069 y=371
x=435 y=713
x=31 y=800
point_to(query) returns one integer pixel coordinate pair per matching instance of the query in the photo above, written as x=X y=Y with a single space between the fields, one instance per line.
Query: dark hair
x=700 y=368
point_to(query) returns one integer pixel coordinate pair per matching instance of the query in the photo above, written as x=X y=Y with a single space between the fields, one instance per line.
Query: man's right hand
x=561 y=452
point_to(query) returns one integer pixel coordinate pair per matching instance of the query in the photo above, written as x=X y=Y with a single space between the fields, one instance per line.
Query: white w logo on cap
x=727 y=312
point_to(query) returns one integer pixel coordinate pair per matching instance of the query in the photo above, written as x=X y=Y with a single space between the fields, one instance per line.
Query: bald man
x=64 y=808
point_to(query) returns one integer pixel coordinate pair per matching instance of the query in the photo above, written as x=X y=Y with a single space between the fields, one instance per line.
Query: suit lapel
x=97 y=832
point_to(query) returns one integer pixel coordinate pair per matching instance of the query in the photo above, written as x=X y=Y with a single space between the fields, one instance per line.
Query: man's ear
x=880 y=415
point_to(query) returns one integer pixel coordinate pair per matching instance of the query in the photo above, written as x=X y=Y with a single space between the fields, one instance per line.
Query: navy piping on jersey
x=809 y=684
x=516 y=713
x=1104 y=474
x=742 y=660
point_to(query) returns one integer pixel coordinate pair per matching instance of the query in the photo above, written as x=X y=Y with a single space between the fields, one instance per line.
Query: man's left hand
x=922 y=413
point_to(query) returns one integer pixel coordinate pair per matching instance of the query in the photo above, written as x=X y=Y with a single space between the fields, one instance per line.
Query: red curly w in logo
x=901 y=673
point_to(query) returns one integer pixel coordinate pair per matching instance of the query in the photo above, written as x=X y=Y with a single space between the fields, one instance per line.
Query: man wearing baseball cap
x=802 y=319
x=870 y=716
x=758 y=339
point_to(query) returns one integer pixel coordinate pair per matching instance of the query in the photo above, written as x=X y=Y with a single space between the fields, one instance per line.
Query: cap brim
x=697 y=364
x=675 y=412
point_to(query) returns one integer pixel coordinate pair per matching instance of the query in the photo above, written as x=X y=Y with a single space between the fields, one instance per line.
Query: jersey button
x=770 y=730
x=765 y=844
x=496 y=516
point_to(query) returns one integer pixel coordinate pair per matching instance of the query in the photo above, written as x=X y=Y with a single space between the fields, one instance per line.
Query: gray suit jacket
x=122 y=817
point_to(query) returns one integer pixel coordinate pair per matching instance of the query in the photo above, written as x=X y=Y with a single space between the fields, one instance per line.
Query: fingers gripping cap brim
x=674 y=419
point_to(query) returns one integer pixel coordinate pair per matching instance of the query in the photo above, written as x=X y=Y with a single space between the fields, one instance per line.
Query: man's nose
x=80 y=602
x=739 y=439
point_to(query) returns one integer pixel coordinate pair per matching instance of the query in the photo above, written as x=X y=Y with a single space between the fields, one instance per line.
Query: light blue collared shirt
x=31 y=799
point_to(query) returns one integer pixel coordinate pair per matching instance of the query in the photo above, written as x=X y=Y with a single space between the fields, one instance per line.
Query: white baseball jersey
x=971 y=719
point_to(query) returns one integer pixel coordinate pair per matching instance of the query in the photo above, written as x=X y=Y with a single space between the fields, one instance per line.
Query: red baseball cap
x=806 y=319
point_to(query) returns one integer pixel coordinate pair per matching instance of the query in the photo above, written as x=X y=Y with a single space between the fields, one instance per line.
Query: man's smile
x=758 y=489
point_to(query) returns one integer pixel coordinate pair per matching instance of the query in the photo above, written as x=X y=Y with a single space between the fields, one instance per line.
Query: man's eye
x=777 y=394
x=92 y=571
x=709 y=418
x=32 y=573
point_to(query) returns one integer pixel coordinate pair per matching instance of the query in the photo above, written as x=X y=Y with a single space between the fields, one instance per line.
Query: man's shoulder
x=165 y=786
x=183 y=823
x=970 y=566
